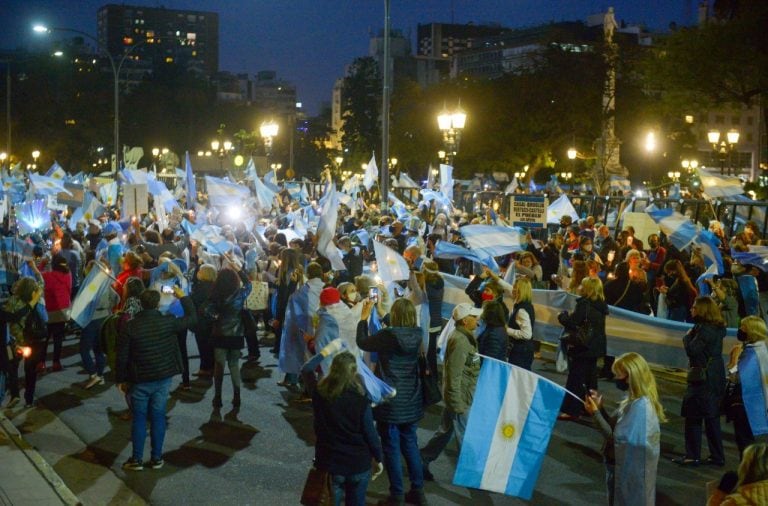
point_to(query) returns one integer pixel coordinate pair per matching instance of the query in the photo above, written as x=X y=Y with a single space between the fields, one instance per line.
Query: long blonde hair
x=641 y=381
x=754 y=464
x=755 y=328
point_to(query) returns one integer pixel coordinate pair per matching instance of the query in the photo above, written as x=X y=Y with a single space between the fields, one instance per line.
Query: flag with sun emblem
x=753 y=375
x=510 y=423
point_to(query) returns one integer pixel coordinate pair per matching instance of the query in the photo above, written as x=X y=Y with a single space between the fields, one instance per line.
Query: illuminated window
x=150 y=34
x=191 y=36
x=127 y=40
x=168 y=59
x=69 y=122
x=194 y=53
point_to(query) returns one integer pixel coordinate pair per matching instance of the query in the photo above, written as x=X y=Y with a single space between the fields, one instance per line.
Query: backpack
x=258 y=297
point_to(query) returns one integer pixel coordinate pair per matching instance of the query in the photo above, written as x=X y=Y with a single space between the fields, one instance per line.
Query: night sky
x=308 y=42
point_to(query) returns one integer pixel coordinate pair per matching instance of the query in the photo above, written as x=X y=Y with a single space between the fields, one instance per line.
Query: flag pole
x=539 y=375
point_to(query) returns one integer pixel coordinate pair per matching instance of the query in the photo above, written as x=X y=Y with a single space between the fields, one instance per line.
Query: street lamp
x=35 y=156
x=116 y=67
x=689 y=165
x=276 y=167
x=441 y=155
x=3 y=157
x=723 y=147
x=674 y=176
x=221 y=149
x=567 y=176
x=451 y=123
x=650 y=142
x=268 y=131
x=572 y=153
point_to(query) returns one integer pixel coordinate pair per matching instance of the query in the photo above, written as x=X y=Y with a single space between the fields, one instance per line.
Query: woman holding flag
x=632 y=444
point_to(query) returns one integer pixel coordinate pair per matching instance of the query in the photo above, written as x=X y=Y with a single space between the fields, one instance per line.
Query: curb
x=45 y=470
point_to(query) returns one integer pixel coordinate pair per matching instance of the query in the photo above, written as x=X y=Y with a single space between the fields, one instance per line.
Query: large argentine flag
x=508 y=431
x=391 y=265
x=492 y=240
x=88 y=296
x=715 y=185
x=679 y=229
x=753 y=374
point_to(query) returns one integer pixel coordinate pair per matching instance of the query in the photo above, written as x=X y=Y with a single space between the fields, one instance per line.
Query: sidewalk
x=25 y=478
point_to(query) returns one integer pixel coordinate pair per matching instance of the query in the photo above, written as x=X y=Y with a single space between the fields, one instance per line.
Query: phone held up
x=373 y=294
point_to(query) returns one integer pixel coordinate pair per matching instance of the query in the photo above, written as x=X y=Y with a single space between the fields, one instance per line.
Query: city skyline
x=299 y=40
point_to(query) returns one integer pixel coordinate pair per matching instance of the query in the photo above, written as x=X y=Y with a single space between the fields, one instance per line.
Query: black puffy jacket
x=226 y=319
x=398 y=349
x=593 y=313
x=148 y=349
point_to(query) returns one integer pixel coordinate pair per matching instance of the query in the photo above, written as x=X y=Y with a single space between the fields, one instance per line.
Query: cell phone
x=373 y=294
x=167 y=289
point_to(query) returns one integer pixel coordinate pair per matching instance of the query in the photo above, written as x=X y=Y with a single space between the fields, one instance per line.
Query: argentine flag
x=371 y=174
x=679 y=229
x=225 y=193
x=492 y=240
x=757 y=256
x=709 y=245
x=753 y=375
x=559 y=208
x=390 y=264
x=508 y=431
x=88 y=296
x=445 y=249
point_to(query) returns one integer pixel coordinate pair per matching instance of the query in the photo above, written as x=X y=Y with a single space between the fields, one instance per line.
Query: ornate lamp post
x=451 y=123
x=221 y=149
x=723 y=147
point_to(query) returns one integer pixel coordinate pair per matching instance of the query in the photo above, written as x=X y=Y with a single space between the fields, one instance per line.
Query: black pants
x=182 y=338
x=741 y=428
x=714 y=438
x=432 y=350
x=205 y=350
x=582 y=376
x=30 y=374
x=56 y=332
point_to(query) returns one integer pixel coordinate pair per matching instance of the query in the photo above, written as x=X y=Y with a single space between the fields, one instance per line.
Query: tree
x=361 y=102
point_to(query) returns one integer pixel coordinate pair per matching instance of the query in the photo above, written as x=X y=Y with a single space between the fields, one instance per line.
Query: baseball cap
x=465 y=309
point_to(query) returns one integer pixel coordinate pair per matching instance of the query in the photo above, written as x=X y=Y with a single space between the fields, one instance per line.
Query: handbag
x=258 y=298
x=430 y=390
x=697 y=374
x=317 y=488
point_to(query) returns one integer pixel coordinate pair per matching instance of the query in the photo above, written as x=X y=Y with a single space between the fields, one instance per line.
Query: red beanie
x=329 y=296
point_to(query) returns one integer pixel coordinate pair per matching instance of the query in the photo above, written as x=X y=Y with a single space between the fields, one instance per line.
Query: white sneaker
x=95 y=380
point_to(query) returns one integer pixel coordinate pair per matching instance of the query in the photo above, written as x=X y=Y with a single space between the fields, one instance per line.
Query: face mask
x=622 y=384
x=487 y=296
x=741 y=335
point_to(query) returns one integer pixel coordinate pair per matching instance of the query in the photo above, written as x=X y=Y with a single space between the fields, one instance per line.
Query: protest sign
x=529 y=211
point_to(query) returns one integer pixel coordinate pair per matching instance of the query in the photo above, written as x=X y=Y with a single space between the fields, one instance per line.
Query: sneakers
x=156 y=463
x=133 y=465
x=94 y=380
x=57 y=366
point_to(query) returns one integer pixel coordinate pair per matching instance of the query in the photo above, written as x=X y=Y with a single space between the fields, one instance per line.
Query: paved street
x=260 y=454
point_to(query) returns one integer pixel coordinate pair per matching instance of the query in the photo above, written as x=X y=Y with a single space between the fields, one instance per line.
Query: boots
x=218 y=380
x=236 y=397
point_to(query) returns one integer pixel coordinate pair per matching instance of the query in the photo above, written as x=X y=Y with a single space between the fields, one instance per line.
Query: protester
x=147 y=359
x=462 y=366
x=588 y=319
x=346 y=437
x=92 y=353
x=201 y=292
x=492 y=341
x=398 y=347
x=706 y=384
x=750 y=485
x=58 y=292
x=224 y=314
x=632 y=446
x=520 y=325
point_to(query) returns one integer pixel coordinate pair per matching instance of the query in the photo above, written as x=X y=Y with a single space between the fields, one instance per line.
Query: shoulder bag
x=430 y=390
x=317 y=488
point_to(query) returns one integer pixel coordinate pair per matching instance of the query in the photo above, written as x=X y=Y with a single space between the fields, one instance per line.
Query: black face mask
x=622 y=384
x=741 y=335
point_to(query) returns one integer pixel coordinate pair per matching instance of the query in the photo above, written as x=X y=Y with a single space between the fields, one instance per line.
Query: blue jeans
x=352 y=488
x=397 y=439
x=149 y=398
x=89 y=341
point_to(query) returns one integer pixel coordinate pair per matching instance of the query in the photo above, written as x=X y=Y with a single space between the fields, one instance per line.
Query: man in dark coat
x=148 y=357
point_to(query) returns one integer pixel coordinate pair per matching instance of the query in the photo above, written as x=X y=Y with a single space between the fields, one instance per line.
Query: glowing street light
x=451 y=123
x=651 y=143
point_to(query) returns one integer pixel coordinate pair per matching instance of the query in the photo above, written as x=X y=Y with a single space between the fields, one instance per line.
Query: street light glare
x=40 y=29
x=650 y=141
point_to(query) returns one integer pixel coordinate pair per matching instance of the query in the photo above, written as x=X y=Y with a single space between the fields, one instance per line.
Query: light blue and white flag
x=270 y=181
x=709 y=245
x=225 y=193
x=406 y=181
x=674 y=191
x=190 y=183
x=108 y=193
x=445 y=249
x=757 y=256
x=446 y=181
x=390 y=264
x=679 y=229
x=701 y=281
x=56 y=171
x=753 y=376
x=620 y=184
x=508 y=431
x=91 y=209
x=163 y=197
x=47 y=185
x=13 y=254
x=717 y=186
x=559 y=208
x=371 y=173
x=89 y=295
x=511 y=187
x=430 y=178
x=265 y=196
x=492 y=240
x=398 y=207
x=78 y=178
x=135 y=176
x=444 y=204
x=250 y=170
x=326 y=230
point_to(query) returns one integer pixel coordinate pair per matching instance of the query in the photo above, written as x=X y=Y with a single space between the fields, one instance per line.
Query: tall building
x=443 y=40
x=162 y=36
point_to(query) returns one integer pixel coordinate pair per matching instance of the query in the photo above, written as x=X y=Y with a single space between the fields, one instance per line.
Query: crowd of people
x=351 y=343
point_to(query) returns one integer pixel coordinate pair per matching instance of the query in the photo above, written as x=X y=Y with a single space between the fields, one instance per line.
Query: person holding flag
x=632 y=434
